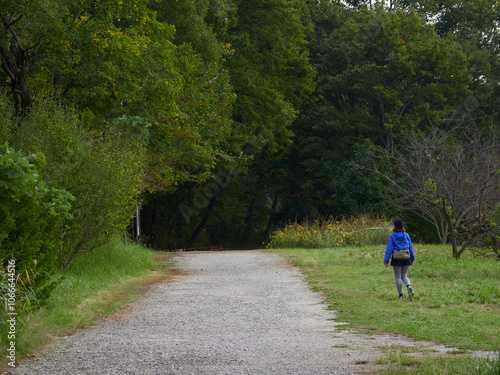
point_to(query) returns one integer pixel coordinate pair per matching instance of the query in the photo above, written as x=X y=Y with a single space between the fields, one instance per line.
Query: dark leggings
x=400 y=273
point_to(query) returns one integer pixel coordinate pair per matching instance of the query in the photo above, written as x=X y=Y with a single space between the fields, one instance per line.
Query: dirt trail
x=244 y=312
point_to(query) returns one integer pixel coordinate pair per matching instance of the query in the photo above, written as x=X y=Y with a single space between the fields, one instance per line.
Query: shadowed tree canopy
x=266 y=59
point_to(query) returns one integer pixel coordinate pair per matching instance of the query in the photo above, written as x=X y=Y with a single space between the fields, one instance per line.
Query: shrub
x=31 y=213
x=31 y=216
x=102 y=170
x=328 y=232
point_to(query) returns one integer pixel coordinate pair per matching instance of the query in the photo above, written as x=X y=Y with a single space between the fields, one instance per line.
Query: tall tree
x=200 y=121
x=20 y=41
x=474 y=25
x=266 y=60
x=134 y=79
x=113 y=59
x=272 y=77
x=380 y=73
x=269 y=70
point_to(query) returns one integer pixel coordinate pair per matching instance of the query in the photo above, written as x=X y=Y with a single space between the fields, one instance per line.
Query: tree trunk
x=269 y=224
x=462 y=249
x=17 y=63
x=203 y=221
x=248 y=220
x=454 y=244
x=210 y=207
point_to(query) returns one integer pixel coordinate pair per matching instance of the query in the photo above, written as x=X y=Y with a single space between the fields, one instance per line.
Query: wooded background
x=222 y=120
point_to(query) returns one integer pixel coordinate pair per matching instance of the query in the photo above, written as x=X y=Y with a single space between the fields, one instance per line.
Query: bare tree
x=451 y=179
x=488 y=244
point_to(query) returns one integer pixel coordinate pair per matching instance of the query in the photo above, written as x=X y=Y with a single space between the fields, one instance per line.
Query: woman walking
x=401 y=260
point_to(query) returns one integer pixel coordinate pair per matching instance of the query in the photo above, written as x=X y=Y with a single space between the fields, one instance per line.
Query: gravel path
x=232 y=313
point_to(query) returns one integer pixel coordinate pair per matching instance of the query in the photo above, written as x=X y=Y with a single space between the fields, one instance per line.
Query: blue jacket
x=398 y=241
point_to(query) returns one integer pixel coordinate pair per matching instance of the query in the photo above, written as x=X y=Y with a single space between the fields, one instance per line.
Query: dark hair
x=398 y=225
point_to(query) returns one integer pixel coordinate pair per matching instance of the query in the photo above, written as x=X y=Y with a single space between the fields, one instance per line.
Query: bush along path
x=229 y=313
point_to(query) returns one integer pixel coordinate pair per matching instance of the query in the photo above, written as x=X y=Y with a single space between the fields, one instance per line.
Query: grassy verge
x=97 y=285
x=407 y=361
x=456 y=303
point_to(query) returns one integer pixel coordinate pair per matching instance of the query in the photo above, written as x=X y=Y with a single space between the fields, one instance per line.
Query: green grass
x=89 y=277
x=456 y=303
x=398 y=362
x=98 y=284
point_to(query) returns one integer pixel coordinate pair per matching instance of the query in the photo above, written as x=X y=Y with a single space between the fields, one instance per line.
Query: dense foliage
x=384 y=74
x=224 y=120
x=31 y=213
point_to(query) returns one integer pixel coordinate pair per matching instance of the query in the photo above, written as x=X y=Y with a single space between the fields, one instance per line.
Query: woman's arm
x=410 y=247
x=388 y=250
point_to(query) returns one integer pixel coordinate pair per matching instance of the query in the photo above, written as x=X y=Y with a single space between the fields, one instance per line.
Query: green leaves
x=19 y=174
x=135 y=128
x=269 y=70
x=21 y=178
x=172 y=90
x=31 y=211
x=395 y=67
